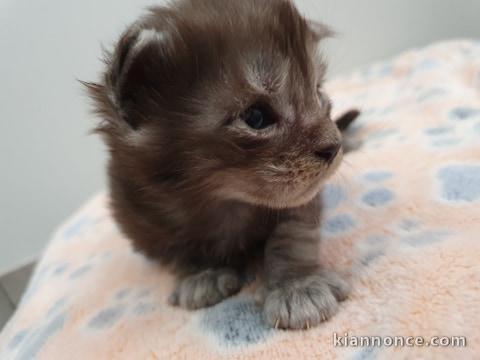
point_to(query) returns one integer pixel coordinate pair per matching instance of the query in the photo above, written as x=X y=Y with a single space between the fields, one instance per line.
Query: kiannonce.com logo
x=346 y=340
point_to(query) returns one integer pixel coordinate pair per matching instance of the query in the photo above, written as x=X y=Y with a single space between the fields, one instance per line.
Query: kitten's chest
x=232 y=227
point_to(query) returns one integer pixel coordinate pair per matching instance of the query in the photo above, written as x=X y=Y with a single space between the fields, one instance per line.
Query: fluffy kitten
x=220 y=137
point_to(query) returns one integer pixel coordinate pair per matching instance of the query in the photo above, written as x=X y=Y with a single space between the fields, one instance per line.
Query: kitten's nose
x=328 y=152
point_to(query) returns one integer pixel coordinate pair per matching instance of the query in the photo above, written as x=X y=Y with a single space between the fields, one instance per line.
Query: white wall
x=49 y=165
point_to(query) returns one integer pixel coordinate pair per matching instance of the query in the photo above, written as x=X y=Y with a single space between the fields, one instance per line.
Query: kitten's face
x=223 y=97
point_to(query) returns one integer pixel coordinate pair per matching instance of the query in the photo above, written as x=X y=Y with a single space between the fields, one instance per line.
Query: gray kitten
x=220 y=138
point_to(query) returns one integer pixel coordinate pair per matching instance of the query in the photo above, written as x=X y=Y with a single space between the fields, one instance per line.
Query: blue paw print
x=236 y=322
x=378 y=197
x=378 y=176
x=106 y=318
x=76 y=227
x=338 y=224
x=438 y=131
x=332 y=196
x=460 y=183
x=463 y=113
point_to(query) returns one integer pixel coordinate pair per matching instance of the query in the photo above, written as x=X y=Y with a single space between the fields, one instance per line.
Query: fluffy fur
x=191 y=184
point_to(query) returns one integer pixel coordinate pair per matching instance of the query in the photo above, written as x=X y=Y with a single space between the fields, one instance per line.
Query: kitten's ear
x=128 y=76
x=120 y=60
x=319 y=30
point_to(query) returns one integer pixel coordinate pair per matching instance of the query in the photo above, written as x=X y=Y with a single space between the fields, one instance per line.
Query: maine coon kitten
x=220 y=138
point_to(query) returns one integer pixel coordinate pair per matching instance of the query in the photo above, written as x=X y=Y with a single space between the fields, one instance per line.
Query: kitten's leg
x=205 y=288
x=298 y=294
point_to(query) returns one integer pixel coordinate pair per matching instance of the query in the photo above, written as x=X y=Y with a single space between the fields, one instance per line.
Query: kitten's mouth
x=295 y=197
x=280 y=192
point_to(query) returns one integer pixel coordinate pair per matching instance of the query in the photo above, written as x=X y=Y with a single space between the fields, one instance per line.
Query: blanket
x=401 y=221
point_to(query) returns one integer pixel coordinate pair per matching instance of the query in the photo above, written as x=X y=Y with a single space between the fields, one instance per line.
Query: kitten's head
x=222 y=97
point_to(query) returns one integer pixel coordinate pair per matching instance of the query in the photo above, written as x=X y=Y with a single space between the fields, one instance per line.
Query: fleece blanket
x=402 y=222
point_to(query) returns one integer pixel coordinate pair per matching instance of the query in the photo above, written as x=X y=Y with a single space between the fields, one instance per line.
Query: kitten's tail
x=344 y=121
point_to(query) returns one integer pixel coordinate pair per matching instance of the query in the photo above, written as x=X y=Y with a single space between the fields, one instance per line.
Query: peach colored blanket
x=402 y=221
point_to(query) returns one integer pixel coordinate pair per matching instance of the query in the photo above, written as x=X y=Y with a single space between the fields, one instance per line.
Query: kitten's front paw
x=205 y=289
x=305 y=302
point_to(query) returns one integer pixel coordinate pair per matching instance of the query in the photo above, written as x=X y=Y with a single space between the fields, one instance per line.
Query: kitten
x=220 y=138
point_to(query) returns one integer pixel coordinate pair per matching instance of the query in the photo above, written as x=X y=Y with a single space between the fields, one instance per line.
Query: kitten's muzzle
x=328 y=152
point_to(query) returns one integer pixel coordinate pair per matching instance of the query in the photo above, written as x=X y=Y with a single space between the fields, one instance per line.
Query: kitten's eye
x=257 y=118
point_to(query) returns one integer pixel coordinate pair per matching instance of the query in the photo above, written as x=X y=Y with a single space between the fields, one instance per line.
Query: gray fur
x=193 y=184
x=206 y=288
